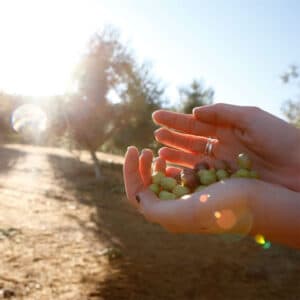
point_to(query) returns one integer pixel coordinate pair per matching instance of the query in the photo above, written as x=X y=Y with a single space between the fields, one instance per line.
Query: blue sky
x=239 y=48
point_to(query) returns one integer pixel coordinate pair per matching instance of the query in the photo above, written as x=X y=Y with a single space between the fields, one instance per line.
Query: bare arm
x=276 y=212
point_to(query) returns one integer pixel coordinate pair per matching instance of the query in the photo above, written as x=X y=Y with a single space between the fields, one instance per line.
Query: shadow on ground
x=149 y=263
x=9 y=158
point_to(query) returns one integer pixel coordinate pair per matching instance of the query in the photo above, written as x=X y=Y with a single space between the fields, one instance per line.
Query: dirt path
x=45 y=252
x=65 y=236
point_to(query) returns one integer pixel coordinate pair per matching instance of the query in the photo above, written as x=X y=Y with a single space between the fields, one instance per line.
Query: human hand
x=222 y=207
x=272 y=144
x=243 y=206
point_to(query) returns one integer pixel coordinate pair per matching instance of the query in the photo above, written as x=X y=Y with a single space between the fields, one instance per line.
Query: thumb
x=221 y=114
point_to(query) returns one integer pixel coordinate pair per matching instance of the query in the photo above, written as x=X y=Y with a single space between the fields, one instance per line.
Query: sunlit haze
x=41 y=41
x=238 y=48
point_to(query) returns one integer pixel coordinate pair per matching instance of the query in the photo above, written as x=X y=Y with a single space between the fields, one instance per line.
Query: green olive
x=165 y=195
x=244 y=161
x=222 y=174
x=168 y=183
x=207 y=176
x=155 y=188
x=156 y=177
x=200 y=188
x=180 y=190
x=241 y=173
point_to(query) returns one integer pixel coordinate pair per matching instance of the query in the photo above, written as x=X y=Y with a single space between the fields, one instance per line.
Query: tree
x=291 y=108
x=140 y=97
x=194 y=95
x=95 y=119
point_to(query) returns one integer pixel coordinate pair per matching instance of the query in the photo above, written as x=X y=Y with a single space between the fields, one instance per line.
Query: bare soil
x=63 y=235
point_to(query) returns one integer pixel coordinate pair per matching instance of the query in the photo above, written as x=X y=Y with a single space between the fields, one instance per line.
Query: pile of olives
x=194 y=180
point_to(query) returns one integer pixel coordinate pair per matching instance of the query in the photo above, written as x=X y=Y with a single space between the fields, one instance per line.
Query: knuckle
x=219 y=106
x=254 y=109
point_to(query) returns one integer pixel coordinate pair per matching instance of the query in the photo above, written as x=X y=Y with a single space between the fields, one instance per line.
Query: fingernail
x=155 y=114
x=138 y=199
x=156 y=131
x=144 y=151
x=195 y=110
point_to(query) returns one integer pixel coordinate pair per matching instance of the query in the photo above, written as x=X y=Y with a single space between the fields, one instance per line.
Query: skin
x=272 y=144
x=244 y=206
x=247 y=206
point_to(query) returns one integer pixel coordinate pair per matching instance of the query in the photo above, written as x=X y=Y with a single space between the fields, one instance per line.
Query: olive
x=222 y=174
x=156 y=177
x=155 y=188
x=189 y=178
x=168 y=183
x=207 y=176
x=244 y=161
x=200 y=188
x=180 y=190
x=243 y=173
x=165 y=195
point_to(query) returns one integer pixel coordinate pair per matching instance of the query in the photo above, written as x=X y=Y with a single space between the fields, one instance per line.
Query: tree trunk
x=96 y=165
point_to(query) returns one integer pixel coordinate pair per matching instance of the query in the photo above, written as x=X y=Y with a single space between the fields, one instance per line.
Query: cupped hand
x=221 y=207
x=272 y=144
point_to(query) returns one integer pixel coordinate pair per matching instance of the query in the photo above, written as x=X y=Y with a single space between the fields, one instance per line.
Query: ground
x=63 y=235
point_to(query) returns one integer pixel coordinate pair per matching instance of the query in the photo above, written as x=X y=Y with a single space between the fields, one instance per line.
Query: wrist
x=276 y=213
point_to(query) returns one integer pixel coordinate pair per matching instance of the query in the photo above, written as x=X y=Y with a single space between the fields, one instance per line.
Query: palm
x=222 y=207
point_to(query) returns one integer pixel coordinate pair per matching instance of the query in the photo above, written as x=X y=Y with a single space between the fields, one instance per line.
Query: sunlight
x=41 y=42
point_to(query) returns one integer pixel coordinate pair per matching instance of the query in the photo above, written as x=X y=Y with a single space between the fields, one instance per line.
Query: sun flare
x=41 y=42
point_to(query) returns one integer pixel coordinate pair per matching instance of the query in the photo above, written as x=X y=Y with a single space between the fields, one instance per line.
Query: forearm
x=293 y=174
x=276 y=213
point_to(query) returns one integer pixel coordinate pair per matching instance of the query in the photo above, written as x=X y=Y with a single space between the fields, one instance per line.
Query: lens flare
x=226 y=218
x=260 y=239
x=29 y=120
x=203 y=198
x=217 y=215
x=267 y=245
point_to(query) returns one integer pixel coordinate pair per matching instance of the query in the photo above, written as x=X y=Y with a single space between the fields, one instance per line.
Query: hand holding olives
x=202 y=175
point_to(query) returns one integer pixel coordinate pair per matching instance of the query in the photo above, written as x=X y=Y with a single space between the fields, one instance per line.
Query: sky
x=239 y=48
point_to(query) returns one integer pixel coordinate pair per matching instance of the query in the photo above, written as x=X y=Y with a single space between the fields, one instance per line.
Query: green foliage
x=291 y=108
x=98 y=119
x=140 y=97
x=193 y=96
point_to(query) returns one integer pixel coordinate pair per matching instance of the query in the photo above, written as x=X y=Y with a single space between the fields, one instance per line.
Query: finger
x=145 y=163
x=185 y=142
x=173 y=172
x=159 y=165
x=221 y=114
x=132 y=178
x=179 y=157
x=183 y=122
